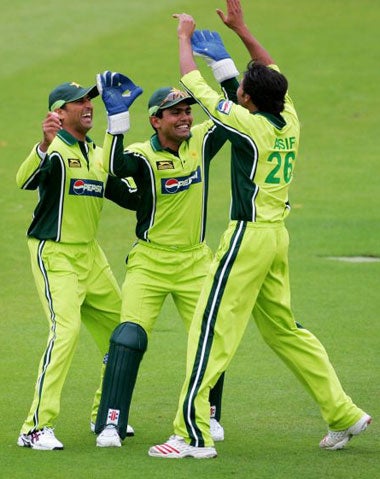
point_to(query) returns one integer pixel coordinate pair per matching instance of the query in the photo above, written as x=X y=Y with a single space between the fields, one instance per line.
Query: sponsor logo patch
x=74 y=162
x=113 y=416
x=165 y=165
x=170 y=186
x=225 y=106
x=86 y=187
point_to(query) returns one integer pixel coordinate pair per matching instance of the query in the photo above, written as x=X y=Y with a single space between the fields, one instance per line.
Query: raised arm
x=234 y=20
x=206 y=44
x=186 y=27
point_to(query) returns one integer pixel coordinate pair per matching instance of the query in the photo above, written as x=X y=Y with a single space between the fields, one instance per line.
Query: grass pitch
x=328 y=50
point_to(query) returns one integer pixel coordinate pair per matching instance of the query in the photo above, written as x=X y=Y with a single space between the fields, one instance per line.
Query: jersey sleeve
x=116 y=161
x=123 y=192
x=221 y=110
x=229 y=88
x=214 y=135
x=32 y=169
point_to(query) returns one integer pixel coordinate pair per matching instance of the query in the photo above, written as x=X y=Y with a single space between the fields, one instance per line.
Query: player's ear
x=154 y=121
x=60 y=112
x=246 y=98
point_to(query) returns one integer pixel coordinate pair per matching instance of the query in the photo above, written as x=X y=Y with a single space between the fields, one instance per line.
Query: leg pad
x=128 y=344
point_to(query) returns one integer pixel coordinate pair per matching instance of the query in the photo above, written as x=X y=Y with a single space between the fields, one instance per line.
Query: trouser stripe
x=207 y=332
x=49 y=348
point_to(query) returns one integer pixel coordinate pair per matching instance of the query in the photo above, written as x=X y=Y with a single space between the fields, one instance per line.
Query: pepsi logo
x=172 y=185
x=86 y=187
x=78 y=187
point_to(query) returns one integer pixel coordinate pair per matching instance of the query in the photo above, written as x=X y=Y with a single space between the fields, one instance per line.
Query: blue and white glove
x=118 y=92
x=209 y=45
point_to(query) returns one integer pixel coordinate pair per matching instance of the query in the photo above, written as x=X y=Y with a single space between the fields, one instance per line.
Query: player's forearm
x=186 y=58
x=116 y=162
x=256 y=51
x=185 y=30
x=119 y=191
x=28 y=174
x=113 y=155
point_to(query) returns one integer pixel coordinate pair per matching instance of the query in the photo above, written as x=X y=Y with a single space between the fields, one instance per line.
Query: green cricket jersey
x=71 y=184
x=264 y=150
x=173 y=186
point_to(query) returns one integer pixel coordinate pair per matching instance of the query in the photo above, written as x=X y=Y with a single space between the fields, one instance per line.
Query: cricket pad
x=128 y=344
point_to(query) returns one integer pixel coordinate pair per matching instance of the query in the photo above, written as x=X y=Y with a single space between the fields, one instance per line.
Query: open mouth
x=183 y=128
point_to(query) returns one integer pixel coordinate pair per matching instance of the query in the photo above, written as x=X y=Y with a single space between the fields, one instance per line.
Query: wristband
x=224 y=70
x=40 y=153
x=118 y=123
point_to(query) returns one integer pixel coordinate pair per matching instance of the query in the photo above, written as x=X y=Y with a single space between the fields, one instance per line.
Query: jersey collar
x=156 y=145
x=69 y=139
x=276 y=120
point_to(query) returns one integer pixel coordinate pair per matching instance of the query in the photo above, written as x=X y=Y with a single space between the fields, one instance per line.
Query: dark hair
x=158 y=114
x=266 y=87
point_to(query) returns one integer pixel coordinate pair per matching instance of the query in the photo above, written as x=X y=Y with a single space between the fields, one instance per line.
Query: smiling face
x=174 y=126
x=77 y=116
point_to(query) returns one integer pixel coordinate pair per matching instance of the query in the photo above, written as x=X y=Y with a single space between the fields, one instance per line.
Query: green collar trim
x=69 y=139
x=156 y=145
x=277 y=121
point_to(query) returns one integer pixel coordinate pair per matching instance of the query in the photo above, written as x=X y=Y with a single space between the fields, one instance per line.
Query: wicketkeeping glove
x=209 y=46
x=118 y=92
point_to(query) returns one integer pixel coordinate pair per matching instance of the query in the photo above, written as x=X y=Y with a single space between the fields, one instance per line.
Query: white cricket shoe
x=130 y=430
x=216 y=429
x=177 y=448
x=43 y=440
x=109 y=437
x=338 y=439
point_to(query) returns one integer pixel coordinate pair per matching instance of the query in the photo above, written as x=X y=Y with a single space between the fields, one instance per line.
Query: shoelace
x=336 y=434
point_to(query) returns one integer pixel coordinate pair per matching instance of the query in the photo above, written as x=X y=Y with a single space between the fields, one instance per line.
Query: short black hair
x=266 y=87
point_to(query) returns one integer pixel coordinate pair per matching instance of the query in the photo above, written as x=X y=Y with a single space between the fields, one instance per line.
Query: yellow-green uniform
x=72 y=275
x=249 y=273
x=170 y=255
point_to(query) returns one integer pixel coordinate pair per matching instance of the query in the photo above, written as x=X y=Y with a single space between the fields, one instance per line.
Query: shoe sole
x=44 y=448
x=110 y=444
x=130 y=432
x=24 y=442
x=195 y=455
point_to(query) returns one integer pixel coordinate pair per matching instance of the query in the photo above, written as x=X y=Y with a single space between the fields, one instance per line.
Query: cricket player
x=170 y=255
x=249 y=273
x=73 y=278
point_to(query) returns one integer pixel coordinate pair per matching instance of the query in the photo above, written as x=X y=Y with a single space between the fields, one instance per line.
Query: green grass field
x=329 y=52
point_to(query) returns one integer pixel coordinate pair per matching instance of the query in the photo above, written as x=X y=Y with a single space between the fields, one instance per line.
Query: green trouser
x=75 y=284
x=250 y=274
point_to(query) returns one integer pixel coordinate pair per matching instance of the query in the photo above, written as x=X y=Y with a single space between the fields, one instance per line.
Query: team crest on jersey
x=224 y=106
x=74 y=162
x=79 y=187
x=165 y=165
x=170 y=186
